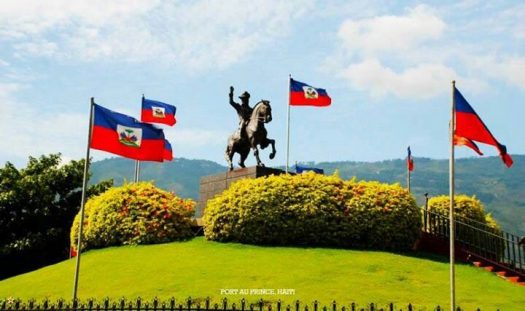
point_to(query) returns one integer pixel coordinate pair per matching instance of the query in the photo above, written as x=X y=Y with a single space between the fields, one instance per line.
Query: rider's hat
x=245 y=95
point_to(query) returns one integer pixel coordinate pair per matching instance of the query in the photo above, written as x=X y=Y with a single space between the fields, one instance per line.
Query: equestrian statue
x=251 y=132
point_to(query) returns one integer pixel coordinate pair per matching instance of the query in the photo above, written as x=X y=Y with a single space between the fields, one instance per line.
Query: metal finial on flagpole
x=451 y=210
x=288 y=125
x=83 y=199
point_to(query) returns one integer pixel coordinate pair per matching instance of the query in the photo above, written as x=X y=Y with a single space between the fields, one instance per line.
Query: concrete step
x=513 y=279
x=478 y=264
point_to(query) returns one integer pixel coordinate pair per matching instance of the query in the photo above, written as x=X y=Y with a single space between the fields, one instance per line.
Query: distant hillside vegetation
x=502 y=190
x=180 y=175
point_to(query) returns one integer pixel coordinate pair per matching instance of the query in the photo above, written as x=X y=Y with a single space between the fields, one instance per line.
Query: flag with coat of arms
x=302 y=94
x=123 y=135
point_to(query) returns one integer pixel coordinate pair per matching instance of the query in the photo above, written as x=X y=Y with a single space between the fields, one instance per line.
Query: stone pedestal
x=215 y=184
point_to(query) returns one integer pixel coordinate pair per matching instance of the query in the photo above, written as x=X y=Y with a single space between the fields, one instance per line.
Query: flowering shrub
x=313 y=209
x=468 y=232
x=385 y=216
x=136 y=213
x=464 y=206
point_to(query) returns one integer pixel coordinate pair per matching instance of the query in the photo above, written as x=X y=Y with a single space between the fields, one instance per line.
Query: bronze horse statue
x=255 y=135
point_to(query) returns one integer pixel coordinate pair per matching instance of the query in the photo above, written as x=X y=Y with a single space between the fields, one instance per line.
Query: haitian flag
x=125 y=136
x=157 y=112
x=302 y=94
x=168 y=152
x=470 y=126
x=410 y=161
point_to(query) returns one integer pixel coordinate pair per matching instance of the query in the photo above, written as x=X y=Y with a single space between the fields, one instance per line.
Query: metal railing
x=479 y=239
x=196 y=305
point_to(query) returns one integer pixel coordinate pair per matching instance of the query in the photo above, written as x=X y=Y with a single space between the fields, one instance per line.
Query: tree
x=37 y=207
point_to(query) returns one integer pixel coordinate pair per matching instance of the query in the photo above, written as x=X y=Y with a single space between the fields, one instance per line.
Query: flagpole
x=288 y=125
x=135 y=170
x=451 y=210
x=137 y=162
x=83 y=199
x=137 y=177
x=408 y=176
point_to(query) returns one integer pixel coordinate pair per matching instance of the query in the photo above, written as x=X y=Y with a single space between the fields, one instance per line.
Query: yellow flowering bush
x=465 y=207
x=136 y=213
x=386 y=215
x=469 y=232
x=313 y=209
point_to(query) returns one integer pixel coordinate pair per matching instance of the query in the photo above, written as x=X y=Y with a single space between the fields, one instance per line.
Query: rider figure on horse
x=244 y=111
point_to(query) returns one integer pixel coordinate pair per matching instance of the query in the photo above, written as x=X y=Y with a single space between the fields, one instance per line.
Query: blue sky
x=387 y=66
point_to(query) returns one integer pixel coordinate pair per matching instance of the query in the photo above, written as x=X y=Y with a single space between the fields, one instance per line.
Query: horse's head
x=263 y=111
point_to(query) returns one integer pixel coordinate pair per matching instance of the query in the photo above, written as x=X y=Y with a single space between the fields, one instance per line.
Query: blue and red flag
x=470 y=126
x=168 y=152
x=302 y=94
x=125 y=136
x=410 y=160
x=157 y=112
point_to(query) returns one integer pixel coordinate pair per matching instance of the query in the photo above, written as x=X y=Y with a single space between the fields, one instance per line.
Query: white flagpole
x=288 y=125
x=137 y=177
x=451 y=210
x=83 y=199
x=135 y=171
x=408 y=176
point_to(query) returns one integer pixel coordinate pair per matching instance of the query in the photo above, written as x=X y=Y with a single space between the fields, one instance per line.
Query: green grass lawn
x=200 y=268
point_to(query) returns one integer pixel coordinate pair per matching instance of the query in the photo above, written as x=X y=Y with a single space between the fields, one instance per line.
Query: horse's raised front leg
x=272 y=142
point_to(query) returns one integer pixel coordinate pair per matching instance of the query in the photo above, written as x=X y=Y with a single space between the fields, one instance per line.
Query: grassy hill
x=200 y=269
x=502 y=190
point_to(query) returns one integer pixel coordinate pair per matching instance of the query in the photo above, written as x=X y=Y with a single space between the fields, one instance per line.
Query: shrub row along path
x=200 y=268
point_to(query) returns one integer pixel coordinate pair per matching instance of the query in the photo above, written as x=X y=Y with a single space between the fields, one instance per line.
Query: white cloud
x=197 y=34
x=513 y=70
x=38 y=47
x=390 y=33
x=415 y=54
x=26 y=131
x=381 y=54
x=422 y=81
x=511 y=20
x=507 y=68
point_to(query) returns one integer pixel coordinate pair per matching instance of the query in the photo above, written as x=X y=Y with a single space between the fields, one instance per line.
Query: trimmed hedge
x=136 y=213
x=313 y=209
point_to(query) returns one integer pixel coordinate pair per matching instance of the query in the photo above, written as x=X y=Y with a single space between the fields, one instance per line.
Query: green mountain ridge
x=502 y=190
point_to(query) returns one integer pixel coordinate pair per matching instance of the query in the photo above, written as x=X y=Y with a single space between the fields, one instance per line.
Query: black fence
x=480 y=240
x=195 y=305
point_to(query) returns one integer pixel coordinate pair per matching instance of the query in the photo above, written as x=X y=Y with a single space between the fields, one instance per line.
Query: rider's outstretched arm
x=234 y=104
